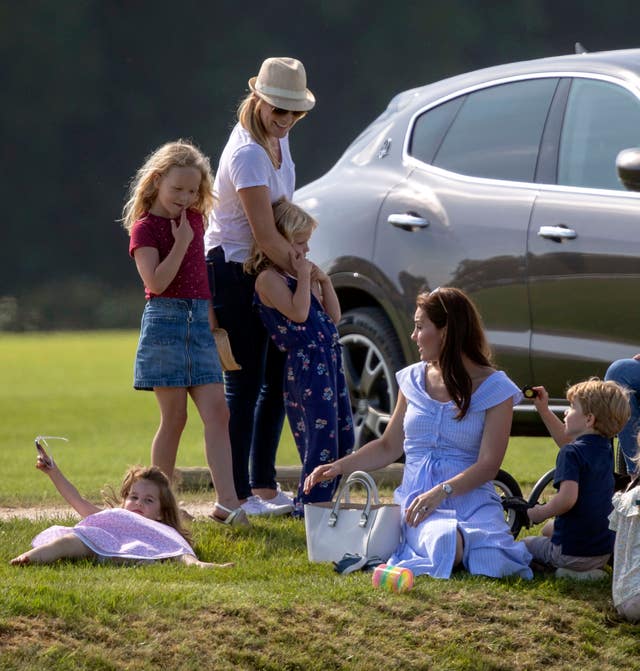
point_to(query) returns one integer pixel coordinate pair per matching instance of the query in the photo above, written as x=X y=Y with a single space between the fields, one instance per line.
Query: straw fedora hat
x=282 y=82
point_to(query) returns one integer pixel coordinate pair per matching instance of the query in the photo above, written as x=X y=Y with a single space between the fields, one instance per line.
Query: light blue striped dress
x=438 y=447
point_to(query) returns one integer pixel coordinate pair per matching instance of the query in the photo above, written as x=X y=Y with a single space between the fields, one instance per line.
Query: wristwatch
x=447 y=488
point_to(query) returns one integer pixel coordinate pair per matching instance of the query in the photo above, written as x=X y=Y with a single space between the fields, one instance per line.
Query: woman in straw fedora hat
x=255 y=170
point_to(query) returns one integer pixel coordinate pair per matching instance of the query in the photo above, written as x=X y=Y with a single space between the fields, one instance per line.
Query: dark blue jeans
x=254 y=394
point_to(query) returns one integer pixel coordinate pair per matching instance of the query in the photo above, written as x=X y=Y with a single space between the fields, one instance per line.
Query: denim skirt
x=176 y=347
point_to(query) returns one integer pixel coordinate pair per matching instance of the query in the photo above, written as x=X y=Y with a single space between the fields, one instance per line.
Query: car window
x=496 y=132
x=601 y=119
x=430 y=127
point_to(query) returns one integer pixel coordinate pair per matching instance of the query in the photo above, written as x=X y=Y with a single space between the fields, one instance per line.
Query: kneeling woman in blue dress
x=452 y=422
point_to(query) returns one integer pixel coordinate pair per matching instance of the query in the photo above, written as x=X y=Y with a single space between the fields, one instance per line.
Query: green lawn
x=273 y=610
x=79 y=385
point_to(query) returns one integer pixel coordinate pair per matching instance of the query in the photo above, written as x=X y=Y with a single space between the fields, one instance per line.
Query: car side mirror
x=628 y=166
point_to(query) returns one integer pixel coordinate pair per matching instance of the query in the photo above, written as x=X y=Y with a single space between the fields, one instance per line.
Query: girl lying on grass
x=146 y=526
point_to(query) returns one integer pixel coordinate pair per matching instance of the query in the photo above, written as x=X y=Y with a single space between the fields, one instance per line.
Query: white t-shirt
x=244 y=163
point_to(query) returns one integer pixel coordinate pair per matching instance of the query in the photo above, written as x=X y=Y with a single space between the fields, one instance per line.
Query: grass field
x=273 y=610
x=78 y=385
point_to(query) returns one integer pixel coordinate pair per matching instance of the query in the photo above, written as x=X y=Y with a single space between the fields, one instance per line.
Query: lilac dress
x=119 y=533
x=438 y=447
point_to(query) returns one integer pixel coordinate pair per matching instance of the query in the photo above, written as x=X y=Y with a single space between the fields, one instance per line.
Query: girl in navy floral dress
x=301 y=314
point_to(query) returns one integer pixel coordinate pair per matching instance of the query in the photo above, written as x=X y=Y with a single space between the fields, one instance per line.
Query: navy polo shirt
x=584 y=530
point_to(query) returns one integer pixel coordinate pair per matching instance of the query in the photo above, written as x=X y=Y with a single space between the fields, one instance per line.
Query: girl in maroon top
x=169 y=200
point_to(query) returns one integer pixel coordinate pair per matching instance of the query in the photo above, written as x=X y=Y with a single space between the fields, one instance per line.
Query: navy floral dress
x=315 y=391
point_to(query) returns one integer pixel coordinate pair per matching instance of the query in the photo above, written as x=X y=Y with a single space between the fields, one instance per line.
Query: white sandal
x=234 y=518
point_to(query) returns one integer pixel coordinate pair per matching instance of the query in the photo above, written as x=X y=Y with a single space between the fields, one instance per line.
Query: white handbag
x=338 y=527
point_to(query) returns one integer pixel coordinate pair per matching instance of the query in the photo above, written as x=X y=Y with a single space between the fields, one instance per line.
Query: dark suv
x=501 y=182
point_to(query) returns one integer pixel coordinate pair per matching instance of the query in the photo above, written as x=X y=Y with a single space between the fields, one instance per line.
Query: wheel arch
x=355 y=290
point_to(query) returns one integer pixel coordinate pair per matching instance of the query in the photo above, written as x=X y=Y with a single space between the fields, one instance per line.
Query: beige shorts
x=546 y=552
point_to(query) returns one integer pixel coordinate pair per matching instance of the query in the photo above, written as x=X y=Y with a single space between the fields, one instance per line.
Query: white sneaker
x=281 y=498
x=254 y=505
x=595 y=574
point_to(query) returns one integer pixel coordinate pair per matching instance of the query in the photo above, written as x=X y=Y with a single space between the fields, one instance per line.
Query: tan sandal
x=225 y=354
x=234 y=518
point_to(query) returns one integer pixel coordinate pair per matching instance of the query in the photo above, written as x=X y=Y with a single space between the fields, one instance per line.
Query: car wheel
x=371 y=355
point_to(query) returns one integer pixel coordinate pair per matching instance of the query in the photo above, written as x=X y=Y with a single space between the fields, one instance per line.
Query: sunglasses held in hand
x=41 y=441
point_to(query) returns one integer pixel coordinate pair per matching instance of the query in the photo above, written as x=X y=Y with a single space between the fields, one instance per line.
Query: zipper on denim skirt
x=189 y=322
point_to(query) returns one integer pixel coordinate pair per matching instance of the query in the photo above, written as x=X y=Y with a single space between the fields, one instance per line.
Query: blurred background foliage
x=90 y=87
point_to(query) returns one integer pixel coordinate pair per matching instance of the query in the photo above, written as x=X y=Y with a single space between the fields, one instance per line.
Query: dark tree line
x=89 y=87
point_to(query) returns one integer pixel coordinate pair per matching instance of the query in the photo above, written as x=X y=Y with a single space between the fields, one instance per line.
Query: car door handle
x=557 y=233
x=407 y=222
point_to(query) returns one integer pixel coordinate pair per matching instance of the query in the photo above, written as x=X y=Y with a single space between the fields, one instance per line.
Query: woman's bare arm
x=375 y=454
x=256 y=203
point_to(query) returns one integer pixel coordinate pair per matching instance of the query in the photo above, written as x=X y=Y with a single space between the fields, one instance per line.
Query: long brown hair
x=169 y=511
x=452 y=310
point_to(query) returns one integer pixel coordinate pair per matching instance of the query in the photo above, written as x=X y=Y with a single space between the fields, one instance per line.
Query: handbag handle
x=363 y=478
x=369 y=484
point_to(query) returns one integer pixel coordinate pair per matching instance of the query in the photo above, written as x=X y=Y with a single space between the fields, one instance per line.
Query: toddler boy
x=578 y=543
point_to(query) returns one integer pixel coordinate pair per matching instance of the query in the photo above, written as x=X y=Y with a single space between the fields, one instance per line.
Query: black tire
x=506 y=486
x=536 y=495
x=371 y=355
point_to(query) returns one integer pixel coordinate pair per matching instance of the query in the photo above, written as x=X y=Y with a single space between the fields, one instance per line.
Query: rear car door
x=583 y=254
x=461 y=216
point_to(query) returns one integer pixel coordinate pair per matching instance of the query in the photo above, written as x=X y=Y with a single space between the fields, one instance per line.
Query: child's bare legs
x=211 y=404
x=190 y=560
x=173 y=418
x=66 y=547
x=547 y=529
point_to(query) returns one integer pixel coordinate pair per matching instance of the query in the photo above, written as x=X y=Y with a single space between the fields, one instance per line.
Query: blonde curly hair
x=290 y=221
x=143 y=190
x=607 y=401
